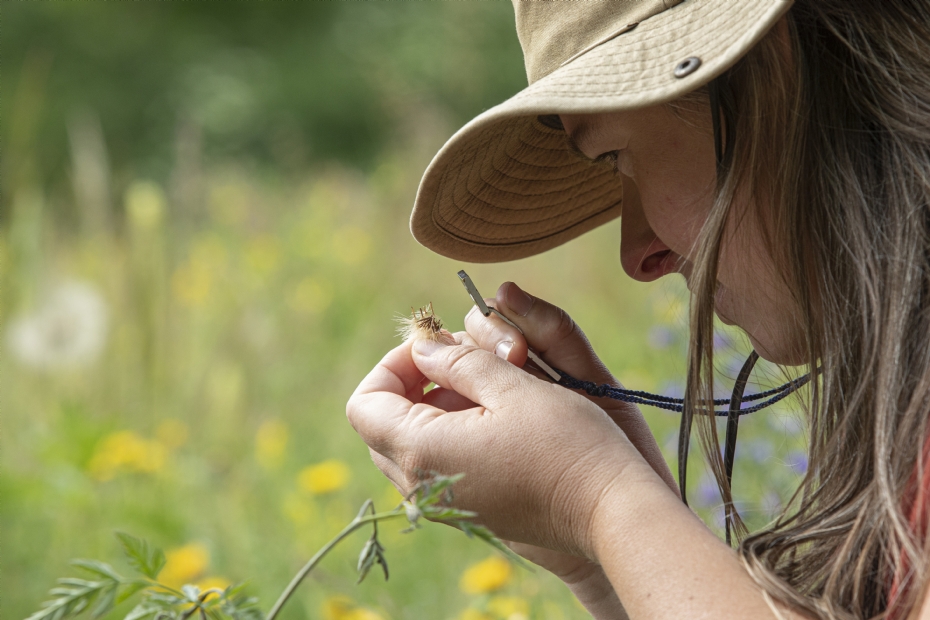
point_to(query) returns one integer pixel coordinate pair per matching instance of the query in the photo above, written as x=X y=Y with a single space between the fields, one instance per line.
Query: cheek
x=676 y=187
x=676 y=214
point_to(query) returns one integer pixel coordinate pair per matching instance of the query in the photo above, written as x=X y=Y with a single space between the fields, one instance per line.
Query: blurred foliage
x=280 y=83
x=203 y=245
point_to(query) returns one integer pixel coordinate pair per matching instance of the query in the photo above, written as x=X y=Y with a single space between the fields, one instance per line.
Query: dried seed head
x=423 y=323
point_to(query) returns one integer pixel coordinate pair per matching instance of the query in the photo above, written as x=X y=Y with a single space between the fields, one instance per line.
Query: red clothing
x=915 y=505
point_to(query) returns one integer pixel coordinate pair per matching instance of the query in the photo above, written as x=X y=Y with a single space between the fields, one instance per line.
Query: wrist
x=623 y=507
x=589 y=584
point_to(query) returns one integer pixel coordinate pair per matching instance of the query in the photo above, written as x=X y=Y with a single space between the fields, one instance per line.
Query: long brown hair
x=830 y=132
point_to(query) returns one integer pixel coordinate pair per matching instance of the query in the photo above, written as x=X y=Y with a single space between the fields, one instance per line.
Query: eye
x=609 y=158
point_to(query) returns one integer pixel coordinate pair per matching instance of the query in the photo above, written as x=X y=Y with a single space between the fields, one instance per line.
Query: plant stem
x=353 y=525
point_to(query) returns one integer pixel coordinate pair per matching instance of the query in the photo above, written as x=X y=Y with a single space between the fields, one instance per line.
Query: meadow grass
x=182 y=375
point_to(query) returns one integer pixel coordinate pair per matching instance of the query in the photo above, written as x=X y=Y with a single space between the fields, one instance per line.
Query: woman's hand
x=537 y=458
x=552 y=334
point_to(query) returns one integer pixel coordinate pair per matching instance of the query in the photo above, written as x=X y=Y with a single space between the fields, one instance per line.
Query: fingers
x=474 y=373
x=388 y=399
x=447 y=400
x=493 y=334
x=549 y=330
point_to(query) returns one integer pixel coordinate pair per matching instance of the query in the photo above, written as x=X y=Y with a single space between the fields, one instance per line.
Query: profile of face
x=668 y=154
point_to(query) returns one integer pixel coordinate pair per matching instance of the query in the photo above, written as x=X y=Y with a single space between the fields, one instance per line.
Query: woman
x=778 y=157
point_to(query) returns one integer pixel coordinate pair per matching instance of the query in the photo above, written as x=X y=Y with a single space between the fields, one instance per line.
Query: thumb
x=474 y=373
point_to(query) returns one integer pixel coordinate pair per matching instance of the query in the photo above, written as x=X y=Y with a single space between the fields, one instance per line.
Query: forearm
x=595 y=592
x=664 y=561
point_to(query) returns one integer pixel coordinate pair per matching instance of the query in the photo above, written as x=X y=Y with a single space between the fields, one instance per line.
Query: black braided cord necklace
x=733 y=412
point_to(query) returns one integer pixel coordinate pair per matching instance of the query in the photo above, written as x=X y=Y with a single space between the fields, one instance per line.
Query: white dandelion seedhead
x=68 y=330
x=423 y=323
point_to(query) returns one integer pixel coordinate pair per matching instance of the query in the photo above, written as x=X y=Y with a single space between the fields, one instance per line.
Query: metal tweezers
x=486 y=310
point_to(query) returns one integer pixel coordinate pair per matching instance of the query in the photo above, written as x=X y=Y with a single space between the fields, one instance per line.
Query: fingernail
x=503 y=349
x=427 y=347
x=518 y=301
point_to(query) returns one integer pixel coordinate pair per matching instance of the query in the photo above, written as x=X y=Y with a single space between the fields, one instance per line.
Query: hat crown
x=552 y=32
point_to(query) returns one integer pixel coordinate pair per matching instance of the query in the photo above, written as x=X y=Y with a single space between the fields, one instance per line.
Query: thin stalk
x=359 y=521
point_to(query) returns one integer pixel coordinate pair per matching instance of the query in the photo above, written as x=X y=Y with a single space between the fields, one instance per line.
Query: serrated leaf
x=480 y=532
x=105 y=604
x=130 y=589
x=100 y=569
x=192 y=593
x=437 y=513
x=146 y=559
x=79 y=606
x=142 y=610
x=63 y=592
x=165 y=599
x=80 y=583
x=434 y=489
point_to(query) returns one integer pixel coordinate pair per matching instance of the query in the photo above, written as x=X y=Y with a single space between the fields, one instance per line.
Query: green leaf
x=142 y=610
x=99 y=569
x=437 y=513
x=105 y=604
x=165 y=599
x=147 y=560
x=238 y=606
x=472 y=530
x=191 y=592
x=437 y=489
x=130 y=589
x=372 y=552
x=80 y=583
x=71 y=597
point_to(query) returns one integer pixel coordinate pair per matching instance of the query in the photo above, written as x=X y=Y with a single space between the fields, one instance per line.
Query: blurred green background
x=203 y=244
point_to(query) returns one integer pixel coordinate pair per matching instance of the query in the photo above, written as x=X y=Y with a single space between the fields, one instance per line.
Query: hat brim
x=506 y=186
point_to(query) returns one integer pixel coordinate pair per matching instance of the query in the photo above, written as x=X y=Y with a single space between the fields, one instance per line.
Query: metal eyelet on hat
x=687 y=66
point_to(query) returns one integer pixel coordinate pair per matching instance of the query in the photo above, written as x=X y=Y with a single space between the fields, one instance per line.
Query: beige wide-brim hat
x=506 y=185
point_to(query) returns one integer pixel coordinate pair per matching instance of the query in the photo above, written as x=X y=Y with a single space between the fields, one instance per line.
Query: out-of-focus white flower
x=68 y=330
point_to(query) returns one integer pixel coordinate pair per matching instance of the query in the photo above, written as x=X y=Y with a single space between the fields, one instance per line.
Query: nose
x=643 y=255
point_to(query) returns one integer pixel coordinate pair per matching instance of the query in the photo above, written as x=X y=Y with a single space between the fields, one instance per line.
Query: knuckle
x=462 y=358
x=565 y=326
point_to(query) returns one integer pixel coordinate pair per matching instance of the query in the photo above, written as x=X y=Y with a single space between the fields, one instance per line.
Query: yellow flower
x=271 y=443
x=325 y=477
x=172 y=432
x=486 y=576
x=184 y=565
x=210 y=583
x=509 y=607
x=342 y=608
x=126 y=451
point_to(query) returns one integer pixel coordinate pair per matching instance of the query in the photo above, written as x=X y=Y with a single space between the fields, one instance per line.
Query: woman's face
x=669 y=156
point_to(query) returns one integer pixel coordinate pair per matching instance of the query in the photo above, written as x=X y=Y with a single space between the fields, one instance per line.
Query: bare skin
x=586 y=493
